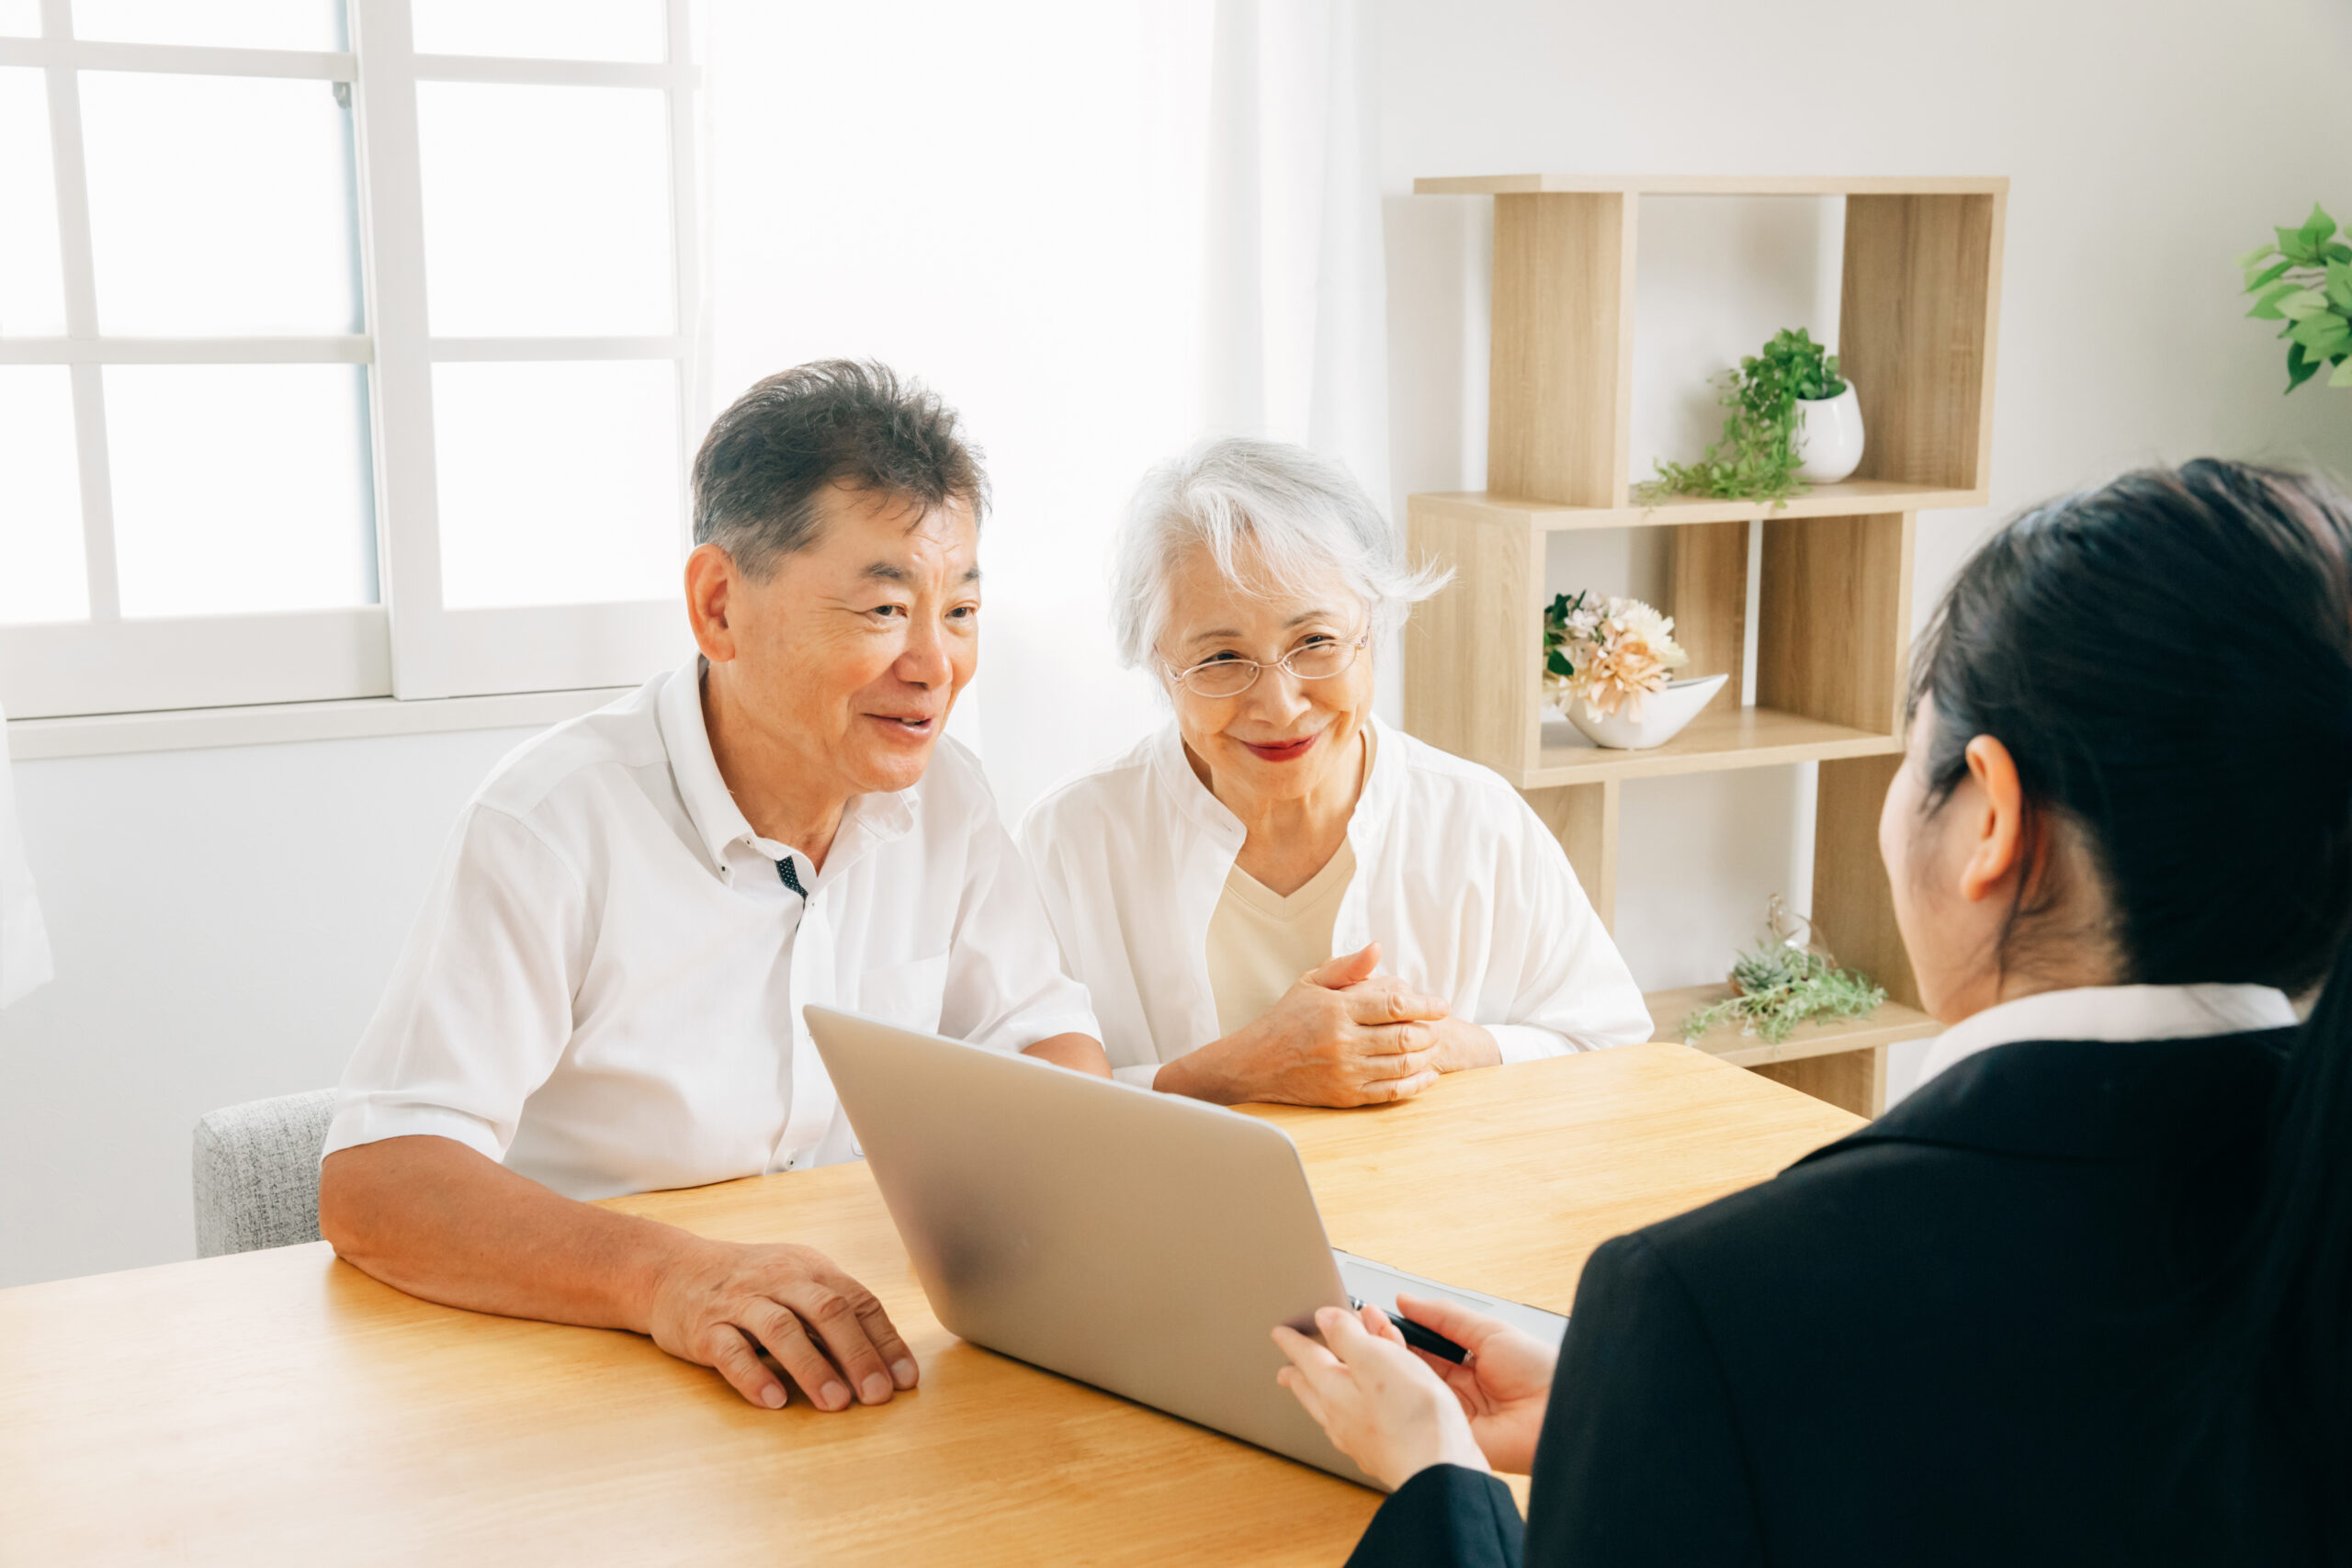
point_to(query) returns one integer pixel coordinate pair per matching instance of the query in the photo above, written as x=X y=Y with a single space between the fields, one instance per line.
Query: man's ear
x=710 y=592
x=1997 y=850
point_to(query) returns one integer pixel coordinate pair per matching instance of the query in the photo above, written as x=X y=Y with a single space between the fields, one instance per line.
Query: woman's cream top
x=1261 y=942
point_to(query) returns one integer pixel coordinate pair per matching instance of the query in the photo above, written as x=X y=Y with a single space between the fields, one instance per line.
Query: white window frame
x=409 y=646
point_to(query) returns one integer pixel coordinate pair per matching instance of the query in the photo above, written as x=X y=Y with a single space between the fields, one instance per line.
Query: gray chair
x=258 y=1173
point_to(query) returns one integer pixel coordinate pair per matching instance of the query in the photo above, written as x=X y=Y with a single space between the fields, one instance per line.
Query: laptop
x=1143 y=1243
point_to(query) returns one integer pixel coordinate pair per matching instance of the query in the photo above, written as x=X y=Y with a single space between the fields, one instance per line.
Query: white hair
x=1270 y=514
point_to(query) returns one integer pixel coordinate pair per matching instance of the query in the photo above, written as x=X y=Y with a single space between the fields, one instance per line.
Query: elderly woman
x=1277 y=897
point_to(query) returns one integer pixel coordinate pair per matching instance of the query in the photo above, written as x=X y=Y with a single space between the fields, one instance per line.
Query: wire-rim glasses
x=1318 y=660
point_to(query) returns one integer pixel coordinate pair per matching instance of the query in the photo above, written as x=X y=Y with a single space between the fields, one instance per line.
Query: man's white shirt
x=604 y=990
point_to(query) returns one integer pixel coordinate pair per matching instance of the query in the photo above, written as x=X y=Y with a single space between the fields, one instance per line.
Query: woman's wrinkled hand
x=1340 y=1036
x=1377 y=1401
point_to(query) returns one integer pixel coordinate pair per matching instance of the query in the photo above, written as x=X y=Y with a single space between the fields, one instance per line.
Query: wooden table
x=282 y=1408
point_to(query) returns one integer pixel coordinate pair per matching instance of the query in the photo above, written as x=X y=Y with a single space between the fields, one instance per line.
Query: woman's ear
x=1995 y=852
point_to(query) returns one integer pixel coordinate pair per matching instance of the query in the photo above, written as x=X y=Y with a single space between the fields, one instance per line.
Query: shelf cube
x=1918 y=312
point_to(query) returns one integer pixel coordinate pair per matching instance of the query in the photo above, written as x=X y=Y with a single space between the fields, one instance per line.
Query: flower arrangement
x=1606 y=652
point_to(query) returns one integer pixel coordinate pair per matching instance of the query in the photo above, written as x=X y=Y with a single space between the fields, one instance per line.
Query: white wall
x=2147 y=145
x=225 y=919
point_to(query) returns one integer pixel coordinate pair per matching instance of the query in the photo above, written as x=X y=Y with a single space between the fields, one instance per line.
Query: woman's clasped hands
x=1396 y=1411
x=1343 y=1035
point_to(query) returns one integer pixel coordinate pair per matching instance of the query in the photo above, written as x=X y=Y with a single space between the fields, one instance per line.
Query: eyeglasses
x=1318 y=660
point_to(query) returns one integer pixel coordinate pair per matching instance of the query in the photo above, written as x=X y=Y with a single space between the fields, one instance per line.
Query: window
x=345 y=351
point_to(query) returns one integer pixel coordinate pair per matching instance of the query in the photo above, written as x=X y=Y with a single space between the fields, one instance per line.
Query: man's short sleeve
x=478 y=1009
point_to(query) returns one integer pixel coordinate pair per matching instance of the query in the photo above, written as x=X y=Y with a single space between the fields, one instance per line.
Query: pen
x=1420 y=1338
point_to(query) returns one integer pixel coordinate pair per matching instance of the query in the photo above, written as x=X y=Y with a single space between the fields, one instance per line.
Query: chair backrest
x=258 y=1173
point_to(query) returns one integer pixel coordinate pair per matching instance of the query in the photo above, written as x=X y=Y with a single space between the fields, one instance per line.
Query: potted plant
x=1790 y=418
x=2305 y=280
x=1789 y=978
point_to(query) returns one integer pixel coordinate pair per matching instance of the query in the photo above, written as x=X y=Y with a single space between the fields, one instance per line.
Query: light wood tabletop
x=282 y=1408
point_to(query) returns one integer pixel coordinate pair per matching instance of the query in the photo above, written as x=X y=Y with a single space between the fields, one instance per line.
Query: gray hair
x=1290 y=513
x=831 y=422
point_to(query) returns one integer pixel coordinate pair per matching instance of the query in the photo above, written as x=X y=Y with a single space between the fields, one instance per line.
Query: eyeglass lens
x=1231 y=677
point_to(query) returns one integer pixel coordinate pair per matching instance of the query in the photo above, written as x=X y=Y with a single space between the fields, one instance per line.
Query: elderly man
x=603 y=994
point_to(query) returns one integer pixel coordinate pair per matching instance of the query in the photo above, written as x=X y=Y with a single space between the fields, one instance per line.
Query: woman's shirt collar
x=2113 y=1013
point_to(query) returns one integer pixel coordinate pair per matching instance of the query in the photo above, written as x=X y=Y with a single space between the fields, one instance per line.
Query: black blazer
x=1967 y=1334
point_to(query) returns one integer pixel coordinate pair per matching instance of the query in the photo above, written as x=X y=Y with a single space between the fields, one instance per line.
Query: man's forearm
x=432 y=1217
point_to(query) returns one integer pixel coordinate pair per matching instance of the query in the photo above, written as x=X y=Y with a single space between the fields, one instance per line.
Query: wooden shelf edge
x=1712 y=184
x=1889 y=1024
x=1693 y=751
x=1850 y=498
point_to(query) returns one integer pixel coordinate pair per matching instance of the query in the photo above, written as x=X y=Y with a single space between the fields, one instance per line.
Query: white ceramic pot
x=1829 y=437
x=1664 y=713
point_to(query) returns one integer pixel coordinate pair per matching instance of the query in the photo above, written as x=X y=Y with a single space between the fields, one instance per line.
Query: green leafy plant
x=1781 y=986
x=1756 y=457
x=2305 y=280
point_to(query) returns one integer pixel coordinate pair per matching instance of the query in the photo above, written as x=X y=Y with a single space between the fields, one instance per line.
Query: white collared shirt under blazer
x=2112 y=1012
x=604 y=990
x=1468 y=894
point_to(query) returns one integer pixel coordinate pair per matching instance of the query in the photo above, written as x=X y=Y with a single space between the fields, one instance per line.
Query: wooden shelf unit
x=1917 y=321
x=1842 y=1061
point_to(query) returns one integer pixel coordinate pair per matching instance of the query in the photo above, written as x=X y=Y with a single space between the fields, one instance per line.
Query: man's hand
x=1339 y=1036
x=439 y=1219
x=720 y=1305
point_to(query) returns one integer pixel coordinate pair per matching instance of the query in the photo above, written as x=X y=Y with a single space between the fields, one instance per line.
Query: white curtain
x=23 y=939
x=1291 y=326
x=1101 y=228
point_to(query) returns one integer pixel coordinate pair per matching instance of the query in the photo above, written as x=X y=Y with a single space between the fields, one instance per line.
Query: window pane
x=220 y=205
x=32 y=289
x=542 y=30
x=240 y=487
x=547 y=210
x=224 y=24
x=41 y=576
x=559 y=482
x=19 y=18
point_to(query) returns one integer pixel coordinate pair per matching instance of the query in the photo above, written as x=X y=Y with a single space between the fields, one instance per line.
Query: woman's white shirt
x=1469 y=896
x=2112 y=1013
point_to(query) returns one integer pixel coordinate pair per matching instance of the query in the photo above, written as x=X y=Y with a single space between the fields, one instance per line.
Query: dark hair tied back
x=2168 y=659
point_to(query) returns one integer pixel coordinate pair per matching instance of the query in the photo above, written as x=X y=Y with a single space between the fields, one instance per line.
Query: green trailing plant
x=2305 y=280
x=1756 y=457
x=1781 y=986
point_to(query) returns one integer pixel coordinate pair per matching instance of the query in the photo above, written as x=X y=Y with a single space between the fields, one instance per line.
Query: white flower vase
x=1663 y=714
x=1829 y=437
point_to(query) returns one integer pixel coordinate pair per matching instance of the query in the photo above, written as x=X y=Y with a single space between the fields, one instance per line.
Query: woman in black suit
x=2085 y=1296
